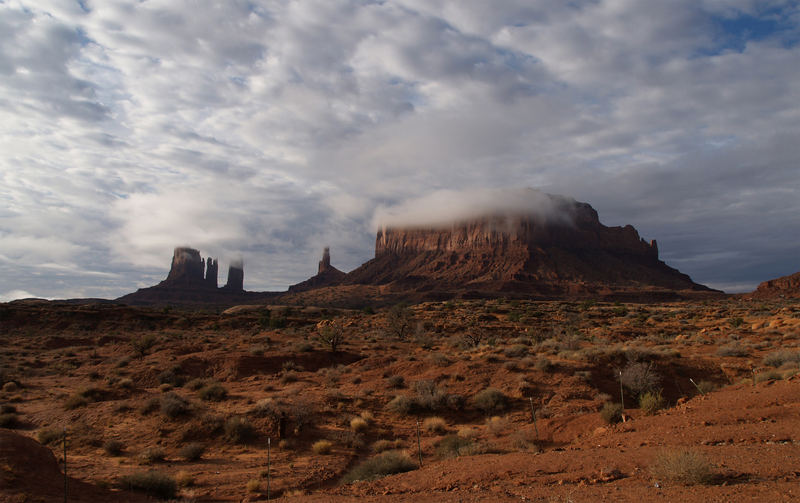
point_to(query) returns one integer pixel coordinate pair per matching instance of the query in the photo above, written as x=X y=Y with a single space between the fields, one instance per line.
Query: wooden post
x=621 y=396
x=419 y=445
x=65 y=465
x=269 y=465
x=696 y=386
x=533 y=417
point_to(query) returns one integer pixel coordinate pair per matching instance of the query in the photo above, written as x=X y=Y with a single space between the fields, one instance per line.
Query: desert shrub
x=303 y=347
x=434 y=425
x=736 y=322
x=196 y=383
x=75 y=401
x=253 y=485
x=213 y=392
x=496 y=425
x=770 y=375
x=524 y=440
x=452 y=446
x=395 y=381
x=543 y=364
x=10 y=387
x=706 y=386
x=267 y=407
x=152 y=455
x=385 y=463
x=172 y=377
x=639 y=377
x=611 y=412
x=467 y=432
x=9 y=420
x=49 y=436
x=384 y=445
x=184 y=479
x=141 y=345
x=113 y=447
x=7 y=408
x=732 y=349
x=429 y=395
x=402 y=404
x=126 y=383
x=322 y=447
x=490 y=400
x=778 y=358
x=358 y=424
x=153 y=483
x=439 y=359
x=151 y=405
x=192 y=451
x=174 y=406
x=289 y=376
x=651 y=402
x=683 y=466
x=516 y=351
x=238 y=430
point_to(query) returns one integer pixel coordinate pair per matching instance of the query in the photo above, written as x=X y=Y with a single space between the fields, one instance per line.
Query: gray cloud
x=268 y=130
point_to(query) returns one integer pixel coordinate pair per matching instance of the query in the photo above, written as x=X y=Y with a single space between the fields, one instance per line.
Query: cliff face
x=186 y=284
x=327 y=275
x=784 y=287
x=566 y=252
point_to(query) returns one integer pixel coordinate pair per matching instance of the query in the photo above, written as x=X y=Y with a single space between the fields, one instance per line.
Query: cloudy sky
x=269 y=129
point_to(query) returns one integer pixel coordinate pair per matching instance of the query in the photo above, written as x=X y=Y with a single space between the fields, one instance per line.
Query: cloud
x=446 y=207
x=268 y=129
x=14 y=295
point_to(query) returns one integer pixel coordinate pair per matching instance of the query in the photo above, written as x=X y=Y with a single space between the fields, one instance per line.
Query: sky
x=267 y=130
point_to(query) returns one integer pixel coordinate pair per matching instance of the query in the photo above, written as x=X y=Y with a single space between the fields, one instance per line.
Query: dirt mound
x=30 y=472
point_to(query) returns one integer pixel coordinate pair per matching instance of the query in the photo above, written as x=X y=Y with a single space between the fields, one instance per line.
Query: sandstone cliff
x=787 y=287
x=569 y=252
x=327 y=275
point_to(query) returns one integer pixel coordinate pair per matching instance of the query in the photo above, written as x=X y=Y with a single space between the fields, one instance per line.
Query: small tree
x=400 y=322
x=331 y=334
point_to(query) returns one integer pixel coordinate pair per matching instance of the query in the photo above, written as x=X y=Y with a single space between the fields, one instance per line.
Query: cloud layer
x=269 y=129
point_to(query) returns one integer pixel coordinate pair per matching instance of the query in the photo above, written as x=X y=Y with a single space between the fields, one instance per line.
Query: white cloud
x=270 y=129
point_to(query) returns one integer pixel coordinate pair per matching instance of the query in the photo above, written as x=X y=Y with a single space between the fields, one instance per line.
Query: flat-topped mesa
x=560 y=249
x=579 y=229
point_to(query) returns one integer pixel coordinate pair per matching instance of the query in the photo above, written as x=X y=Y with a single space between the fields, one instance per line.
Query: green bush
x=385 y=463
x=611 y=412
x=651 y=402
x=213 y=392
x=684 y=466
x=153 y=483
x=490 y=400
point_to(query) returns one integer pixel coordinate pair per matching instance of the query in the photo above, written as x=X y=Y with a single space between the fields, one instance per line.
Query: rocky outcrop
x=212 y=272
x=186 y=284
x=235 y=278
x=327 y=275
x=566 y=252
x=786 y=287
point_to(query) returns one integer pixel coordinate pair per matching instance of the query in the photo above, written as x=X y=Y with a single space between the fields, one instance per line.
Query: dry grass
x=681 y=465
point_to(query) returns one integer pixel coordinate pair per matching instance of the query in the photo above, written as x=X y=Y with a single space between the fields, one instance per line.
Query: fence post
x=621 y=396
x=65 y=465
x=533 y=417
x=696 y=386
x=419 y=445
x=269 y=465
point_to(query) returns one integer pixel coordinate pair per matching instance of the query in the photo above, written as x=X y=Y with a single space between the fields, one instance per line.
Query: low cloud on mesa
x=267 y=130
